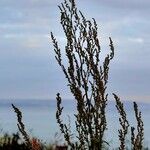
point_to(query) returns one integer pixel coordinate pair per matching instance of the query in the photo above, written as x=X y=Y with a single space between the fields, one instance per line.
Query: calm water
x=39 y=118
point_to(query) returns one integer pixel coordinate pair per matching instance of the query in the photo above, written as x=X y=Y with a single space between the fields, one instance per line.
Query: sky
x=28 y=69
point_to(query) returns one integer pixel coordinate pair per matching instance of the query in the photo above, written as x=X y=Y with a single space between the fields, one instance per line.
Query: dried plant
x=137 y=141
x=123 y=122
x=21 y=126
x=87 y=78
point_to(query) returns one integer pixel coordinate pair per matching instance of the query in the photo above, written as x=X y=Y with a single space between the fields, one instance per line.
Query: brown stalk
x=21 y=126
x=87 y=78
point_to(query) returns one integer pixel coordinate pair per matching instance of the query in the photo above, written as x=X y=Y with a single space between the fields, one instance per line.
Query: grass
x=16 y=142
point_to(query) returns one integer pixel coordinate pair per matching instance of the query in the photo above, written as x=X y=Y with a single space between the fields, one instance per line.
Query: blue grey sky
x=27 y=65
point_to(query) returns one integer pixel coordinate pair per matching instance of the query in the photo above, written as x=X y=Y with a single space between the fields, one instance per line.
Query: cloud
x=32 y=43
x=129 y=5
x=26 y=53
x=136 y=40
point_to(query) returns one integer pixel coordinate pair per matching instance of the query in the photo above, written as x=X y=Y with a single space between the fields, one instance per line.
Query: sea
x=40 y=121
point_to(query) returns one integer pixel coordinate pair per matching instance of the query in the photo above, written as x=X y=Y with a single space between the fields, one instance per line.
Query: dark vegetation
x=87 y=78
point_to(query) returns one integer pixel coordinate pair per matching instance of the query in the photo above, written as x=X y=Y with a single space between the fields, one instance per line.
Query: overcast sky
x=27 y=65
